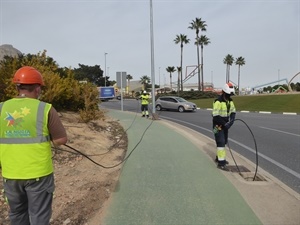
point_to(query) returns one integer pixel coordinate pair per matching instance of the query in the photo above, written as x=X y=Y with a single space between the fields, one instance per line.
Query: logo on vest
x=15 y=120
x=17 y=133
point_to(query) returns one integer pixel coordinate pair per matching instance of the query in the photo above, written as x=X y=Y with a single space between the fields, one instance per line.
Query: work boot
x=147 y=116
x=222 y=167
x=143 y=115
x=216 y=160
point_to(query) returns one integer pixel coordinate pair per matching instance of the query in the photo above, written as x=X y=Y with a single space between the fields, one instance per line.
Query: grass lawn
x=272 y=103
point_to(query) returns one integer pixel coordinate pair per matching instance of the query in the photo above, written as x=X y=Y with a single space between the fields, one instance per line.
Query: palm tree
x=144 y=80
x=203 y=40
x=182 y=39
x=170 y=69
x=240 y=61
x=228 y=60
x=128 y=78
x=198 y=25
x=178 y=80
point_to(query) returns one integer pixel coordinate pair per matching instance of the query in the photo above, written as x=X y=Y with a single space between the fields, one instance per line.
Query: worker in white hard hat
x=145 y=102
x=223 y=118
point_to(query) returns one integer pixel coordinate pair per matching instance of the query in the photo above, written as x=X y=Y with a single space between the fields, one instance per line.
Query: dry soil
x=83 y=181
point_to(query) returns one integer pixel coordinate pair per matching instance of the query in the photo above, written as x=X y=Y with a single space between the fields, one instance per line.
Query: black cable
x=233 y=158
x=123 y=135
x=256 y=152
x=109 y=167
x=63 y=150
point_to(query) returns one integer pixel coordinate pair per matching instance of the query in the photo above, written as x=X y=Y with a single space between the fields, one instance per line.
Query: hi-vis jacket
x=222 y=111
x=25 y=150
x=145 y=99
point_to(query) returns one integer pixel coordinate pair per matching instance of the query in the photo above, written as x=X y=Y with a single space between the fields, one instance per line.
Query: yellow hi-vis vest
x=25 y=149
x=145 y=99
x=223 y=108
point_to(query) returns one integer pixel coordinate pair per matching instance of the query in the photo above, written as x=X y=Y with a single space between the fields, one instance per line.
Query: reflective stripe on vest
x=39 y=129
x=223 y=109
x=24 y=151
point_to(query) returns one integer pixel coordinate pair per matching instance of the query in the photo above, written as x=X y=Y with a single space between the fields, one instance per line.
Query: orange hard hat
x=28 y=75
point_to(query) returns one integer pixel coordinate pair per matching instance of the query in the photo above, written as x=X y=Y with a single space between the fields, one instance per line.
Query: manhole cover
x=246 y=173
x=250 y=176
x=237 y=169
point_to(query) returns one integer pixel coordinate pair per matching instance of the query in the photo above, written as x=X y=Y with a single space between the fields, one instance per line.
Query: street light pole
x=105 y=68
x=152 y=58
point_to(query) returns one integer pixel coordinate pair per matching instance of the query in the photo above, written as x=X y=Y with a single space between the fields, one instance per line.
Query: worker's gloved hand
x=232 y=118
x=227 y=125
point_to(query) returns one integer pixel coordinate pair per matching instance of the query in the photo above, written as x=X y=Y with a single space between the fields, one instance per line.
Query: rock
x=67 y=221
x=8 y=50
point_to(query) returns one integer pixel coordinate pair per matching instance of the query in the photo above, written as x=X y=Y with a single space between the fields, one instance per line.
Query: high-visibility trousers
x=221 y=138
x=144 y=109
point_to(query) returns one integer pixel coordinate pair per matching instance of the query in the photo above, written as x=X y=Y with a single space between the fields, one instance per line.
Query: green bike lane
x=168 y=180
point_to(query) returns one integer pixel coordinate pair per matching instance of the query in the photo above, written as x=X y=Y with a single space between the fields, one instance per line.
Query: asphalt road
x=277 y=137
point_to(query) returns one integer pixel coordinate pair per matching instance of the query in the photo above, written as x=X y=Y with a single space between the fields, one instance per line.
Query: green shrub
x=62 y=91
x=90 y=111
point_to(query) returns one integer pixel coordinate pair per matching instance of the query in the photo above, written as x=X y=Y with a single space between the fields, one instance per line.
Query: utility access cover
x=238 y=169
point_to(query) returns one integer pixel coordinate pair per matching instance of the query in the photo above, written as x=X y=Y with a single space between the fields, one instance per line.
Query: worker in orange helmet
x=223 y=118
x=27 y=128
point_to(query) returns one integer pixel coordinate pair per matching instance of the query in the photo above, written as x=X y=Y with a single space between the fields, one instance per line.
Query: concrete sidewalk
x=170 y=179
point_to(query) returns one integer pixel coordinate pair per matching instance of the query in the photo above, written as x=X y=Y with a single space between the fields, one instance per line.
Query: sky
x=266 y=33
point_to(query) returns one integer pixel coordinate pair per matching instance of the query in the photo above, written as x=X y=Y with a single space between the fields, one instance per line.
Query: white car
x=174 y=103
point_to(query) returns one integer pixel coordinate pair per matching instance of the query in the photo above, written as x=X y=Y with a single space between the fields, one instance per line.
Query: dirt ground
x=83 y=187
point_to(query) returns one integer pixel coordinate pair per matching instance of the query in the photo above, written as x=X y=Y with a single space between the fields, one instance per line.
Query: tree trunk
x=228 y=73
x=181 y=84
x=178 y=83
x=202 y=79
x=198 y=58
x=239 y=80
x=171 y=81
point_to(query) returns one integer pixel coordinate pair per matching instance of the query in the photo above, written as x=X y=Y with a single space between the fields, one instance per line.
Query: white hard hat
x=144 y=92
x=228 y=88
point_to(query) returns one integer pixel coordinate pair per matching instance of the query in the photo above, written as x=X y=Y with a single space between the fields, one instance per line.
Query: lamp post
x=152 y=57
x=105 y=68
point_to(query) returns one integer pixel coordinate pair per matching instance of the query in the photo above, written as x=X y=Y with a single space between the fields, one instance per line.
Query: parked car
x=174 y=103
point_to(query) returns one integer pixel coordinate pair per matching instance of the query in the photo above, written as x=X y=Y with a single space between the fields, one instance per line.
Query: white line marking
x=268 y=159
x=297 y=135
x=264 y=112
